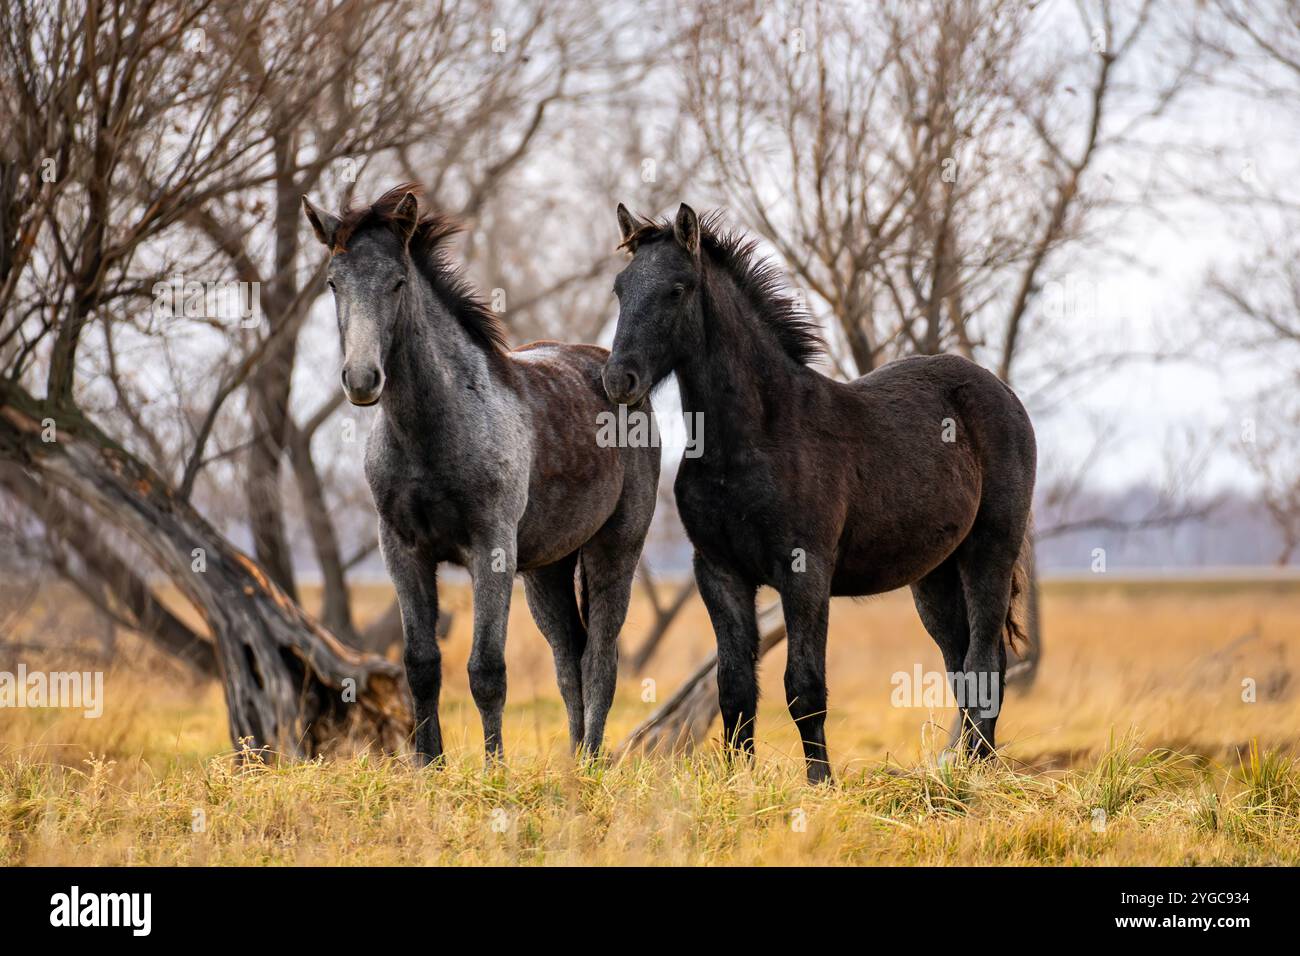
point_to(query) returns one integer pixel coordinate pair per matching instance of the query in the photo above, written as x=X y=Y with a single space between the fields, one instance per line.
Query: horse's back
x=909 y=391
x=560 y=375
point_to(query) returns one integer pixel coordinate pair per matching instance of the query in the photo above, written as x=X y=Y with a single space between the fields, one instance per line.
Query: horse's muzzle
x=623 y=384
x=363 y=386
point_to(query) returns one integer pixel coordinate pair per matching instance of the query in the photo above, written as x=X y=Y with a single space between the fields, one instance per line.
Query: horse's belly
x=859 y=582
x=892 y=554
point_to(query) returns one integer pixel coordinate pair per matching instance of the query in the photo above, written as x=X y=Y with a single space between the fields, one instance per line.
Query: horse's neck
x=733 y=374
x=433 y=368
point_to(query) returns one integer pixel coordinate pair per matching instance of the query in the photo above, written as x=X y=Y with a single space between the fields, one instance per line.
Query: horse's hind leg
x=609 y=562
x=554 y=604
x=986 y=561
x=941 y=603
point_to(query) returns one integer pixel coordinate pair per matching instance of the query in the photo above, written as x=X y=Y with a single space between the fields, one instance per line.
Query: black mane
x=482 y=324
x=758 y=280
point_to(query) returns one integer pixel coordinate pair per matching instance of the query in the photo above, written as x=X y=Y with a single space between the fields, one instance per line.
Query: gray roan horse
x=920 y=473
x=485 y=458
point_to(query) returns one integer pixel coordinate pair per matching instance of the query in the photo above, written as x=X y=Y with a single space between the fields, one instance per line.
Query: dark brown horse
x=919 y=474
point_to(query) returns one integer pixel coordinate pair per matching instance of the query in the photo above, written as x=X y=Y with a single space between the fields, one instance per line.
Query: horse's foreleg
x=493 y=573
x=806 y=601
x=416 y=582
x=730 y=603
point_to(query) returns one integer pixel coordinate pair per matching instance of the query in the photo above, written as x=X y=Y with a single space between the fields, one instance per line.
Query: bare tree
x=160 y=144
x=1252 y=310
x=917 y=166
x=131 y=122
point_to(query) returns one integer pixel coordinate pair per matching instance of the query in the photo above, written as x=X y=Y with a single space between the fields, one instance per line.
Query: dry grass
x=1138 y=714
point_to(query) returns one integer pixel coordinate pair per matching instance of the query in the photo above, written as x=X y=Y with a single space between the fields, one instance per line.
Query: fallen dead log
x=289 y=684
x=684 y=719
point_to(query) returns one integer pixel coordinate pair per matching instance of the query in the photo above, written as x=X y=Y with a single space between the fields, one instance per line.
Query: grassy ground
x=1135 y=746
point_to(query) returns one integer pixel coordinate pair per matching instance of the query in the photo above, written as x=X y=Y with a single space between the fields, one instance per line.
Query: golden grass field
x=1137 y=712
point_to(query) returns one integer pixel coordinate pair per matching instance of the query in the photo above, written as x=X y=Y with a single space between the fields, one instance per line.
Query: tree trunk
x=269 y=386
x=289 y=684
x=269 y=398
x=336 y=609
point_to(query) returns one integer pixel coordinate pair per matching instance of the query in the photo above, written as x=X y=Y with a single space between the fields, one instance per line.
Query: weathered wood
x=336 y=608
x=289 y=684
x=683 y=722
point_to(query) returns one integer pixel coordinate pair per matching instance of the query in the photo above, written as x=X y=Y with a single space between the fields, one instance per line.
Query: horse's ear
x=324 y=224
x=406 y=216
x=627 y=224
x=686 y=227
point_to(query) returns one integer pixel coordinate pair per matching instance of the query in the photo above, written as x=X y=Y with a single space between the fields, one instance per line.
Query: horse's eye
x=330 y=283
x=400 y=283
x=678 y=290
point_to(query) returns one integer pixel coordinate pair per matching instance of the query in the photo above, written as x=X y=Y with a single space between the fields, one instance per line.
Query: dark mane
x=758 y=280
x=482 y=324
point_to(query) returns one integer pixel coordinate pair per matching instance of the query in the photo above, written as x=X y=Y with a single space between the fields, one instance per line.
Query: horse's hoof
x=820 y=773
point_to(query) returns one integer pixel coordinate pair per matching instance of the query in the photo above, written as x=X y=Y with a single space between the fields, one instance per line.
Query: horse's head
x=657 y=295
x=369 y=274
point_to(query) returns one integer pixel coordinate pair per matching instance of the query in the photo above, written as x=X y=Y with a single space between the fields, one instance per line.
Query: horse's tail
x=583 y=591
x=1020 y=621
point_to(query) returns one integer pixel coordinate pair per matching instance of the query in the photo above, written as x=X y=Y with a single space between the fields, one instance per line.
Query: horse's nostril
x=362 y=381
x=630 y=383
